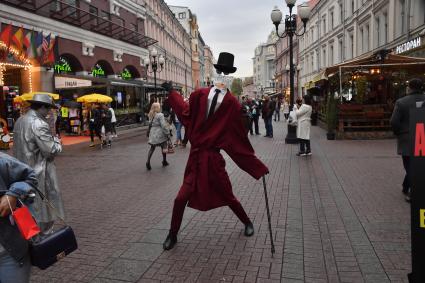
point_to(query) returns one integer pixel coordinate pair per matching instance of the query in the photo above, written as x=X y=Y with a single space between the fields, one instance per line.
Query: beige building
x=174 y=43
x=340 y=31
x=209 y=65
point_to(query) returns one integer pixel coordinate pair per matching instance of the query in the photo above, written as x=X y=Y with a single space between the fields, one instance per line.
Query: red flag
x=6 y=35
x=17 y=39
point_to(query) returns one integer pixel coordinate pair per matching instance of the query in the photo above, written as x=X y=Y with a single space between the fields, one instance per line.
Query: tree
x=236 y=87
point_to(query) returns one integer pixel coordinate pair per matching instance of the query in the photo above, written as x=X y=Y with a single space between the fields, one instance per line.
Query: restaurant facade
x=97 y=48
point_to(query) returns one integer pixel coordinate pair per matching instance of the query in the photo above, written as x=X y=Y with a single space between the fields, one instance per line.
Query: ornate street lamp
x=289 y=29
x=151 y=64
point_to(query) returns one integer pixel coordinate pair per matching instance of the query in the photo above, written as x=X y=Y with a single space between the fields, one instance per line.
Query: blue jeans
x=178 y=126
x=269 y=126
x=12 y=272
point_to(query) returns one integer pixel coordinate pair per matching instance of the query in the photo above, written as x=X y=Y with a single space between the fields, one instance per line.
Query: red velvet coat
x=205 y=177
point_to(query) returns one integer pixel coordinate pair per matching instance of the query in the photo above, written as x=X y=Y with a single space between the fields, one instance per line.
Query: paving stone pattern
x=337 y=216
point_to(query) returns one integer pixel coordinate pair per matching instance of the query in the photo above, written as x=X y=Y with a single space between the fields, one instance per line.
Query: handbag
x=24 y=220
x=170 y=147
x=292 y=120
x=45 y=250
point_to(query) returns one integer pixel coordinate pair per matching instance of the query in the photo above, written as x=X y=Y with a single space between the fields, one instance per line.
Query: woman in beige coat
x=303 y=113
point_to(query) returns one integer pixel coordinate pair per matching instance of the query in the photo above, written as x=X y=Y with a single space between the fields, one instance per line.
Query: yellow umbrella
x=30 y=95
x=94 y=98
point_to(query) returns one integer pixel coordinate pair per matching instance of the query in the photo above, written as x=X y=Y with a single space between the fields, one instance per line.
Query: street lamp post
x=151 y=64
x=289 y=29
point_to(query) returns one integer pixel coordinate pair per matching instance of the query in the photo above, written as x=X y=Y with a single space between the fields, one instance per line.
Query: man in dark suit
x=400 y=125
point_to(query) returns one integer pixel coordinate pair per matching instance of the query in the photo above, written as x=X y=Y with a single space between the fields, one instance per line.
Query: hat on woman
x=42 y=99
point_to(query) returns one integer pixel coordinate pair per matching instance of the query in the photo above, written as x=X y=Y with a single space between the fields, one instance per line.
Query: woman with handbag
x=158 y=133
x=19 y=180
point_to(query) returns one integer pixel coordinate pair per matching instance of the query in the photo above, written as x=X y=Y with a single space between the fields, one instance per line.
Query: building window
x=403 y=16
x=361 y=47
x=331 y=20
x=385 y=28
x=182 y=15
x=341 y=11
x=93 y=16
x=105 y=15
x=331 y=55
x=324 y=25
x=352 y=46
x=352 y=7
x=366 y=40
x=340 y=50
x=324 y=56
x=377 y=31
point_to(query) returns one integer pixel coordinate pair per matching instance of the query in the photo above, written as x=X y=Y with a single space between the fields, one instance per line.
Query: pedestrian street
x=337 y=216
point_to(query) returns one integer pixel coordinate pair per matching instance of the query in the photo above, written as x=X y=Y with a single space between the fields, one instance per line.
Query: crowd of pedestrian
x=102 y=123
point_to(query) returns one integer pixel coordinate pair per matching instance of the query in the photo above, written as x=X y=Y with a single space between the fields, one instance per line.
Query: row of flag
x=32 y=45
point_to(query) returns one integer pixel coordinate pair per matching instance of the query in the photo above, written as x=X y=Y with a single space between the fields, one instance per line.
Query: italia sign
x=411 y=44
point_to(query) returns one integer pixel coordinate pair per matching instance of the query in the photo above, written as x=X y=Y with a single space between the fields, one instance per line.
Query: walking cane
x=268 y=215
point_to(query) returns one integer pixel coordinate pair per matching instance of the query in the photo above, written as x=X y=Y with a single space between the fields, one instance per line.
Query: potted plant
x=331 y=116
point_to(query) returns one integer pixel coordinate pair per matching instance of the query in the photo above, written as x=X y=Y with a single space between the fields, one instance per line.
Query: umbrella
x=30 y=95
x=94 y=98
x=71 y=104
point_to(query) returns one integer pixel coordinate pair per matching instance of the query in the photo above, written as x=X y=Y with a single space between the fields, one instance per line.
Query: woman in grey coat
x=158 y=134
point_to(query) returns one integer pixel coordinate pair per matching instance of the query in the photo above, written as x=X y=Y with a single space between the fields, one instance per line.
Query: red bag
x=25 y=222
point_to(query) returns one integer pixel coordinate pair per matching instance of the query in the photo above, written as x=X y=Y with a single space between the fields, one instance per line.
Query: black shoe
x=148 y=166
x=300 y=154
x=249 y=229
x=165 y=163
x=170 y=242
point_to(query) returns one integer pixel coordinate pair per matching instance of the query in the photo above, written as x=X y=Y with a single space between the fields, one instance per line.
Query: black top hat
x=225 y=63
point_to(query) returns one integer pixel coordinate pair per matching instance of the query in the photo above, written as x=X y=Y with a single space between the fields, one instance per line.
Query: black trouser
x=303 y=145
x=94 y=129
x=406 y=181
x=254 y=121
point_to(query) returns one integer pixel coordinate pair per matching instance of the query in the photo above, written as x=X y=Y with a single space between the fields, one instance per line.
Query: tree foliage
x=236 y=87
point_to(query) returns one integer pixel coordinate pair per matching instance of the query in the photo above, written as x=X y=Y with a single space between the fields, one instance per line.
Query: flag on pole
x=27 y=40
x=17 y=39
x=6 y=34
x=39 y=45
x=32 y=49
x=50 y=57
x=46 y=42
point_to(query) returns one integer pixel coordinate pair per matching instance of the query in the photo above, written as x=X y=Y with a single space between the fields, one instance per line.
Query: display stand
x=417 y=181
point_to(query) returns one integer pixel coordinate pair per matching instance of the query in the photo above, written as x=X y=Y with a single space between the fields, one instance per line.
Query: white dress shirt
x=219 y=100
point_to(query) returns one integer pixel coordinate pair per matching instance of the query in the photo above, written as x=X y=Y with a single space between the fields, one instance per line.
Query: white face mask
x=222 y=81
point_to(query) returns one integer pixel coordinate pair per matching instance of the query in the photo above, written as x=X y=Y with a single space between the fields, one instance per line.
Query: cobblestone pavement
x=337 y=216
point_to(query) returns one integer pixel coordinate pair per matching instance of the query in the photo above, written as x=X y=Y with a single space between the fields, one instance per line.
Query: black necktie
x=213 y=103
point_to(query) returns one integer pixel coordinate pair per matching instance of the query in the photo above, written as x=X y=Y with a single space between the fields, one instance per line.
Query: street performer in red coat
x=213 y=119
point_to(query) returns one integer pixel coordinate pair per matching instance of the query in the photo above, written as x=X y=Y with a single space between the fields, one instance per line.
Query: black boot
x=249 y=229
x=170 y=242
x=148 y=166
x=165 y=163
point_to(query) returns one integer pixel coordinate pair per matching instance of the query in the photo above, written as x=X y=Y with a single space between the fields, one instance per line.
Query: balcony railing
x=66 y=12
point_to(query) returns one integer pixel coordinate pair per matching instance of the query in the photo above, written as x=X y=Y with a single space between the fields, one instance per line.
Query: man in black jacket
x=17 y=180
x=400 y=125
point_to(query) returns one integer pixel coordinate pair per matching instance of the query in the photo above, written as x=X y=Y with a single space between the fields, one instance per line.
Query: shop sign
x=63 y=82
x=98 y=71
x=417 y=208
x=62 y=66
x=411 y=44
x=126 y=75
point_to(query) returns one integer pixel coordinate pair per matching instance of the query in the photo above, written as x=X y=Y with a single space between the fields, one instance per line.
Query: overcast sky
x=235 y=26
